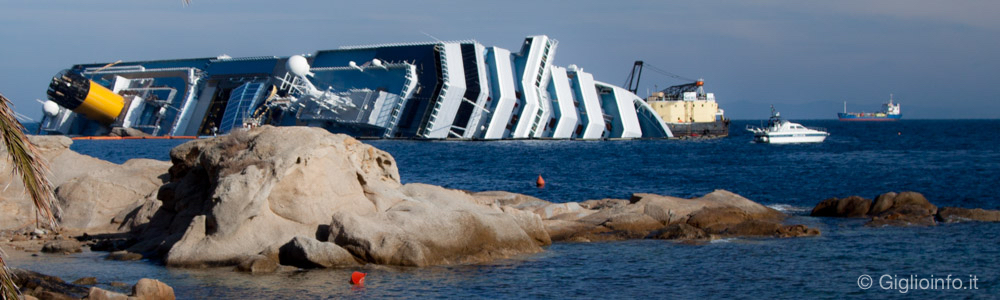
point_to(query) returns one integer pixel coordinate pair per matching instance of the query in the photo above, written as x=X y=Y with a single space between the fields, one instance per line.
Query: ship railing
x=823 y=129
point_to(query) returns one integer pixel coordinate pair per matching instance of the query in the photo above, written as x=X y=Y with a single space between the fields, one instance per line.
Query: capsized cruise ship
x=433 y=90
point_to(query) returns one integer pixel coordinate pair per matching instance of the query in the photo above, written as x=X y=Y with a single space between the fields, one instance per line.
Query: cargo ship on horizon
x=890 y=112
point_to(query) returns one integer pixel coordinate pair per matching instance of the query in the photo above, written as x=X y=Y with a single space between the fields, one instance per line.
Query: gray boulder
x=957 y=214
x=93 y=200
x=850 y=207
x=62 y=246
x=434 y=226
x=258 y=264
x=304 y=252
x=252 y=192
x=89 y=192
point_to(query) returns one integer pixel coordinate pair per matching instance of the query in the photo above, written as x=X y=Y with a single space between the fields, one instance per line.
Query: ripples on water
x=953 y=163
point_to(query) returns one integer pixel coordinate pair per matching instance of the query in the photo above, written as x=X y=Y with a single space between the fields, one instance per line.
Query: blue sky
x=939 y=58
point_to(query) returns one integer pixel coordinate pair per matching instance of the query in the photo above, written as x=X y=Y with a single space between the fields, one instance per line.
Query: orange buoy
x=358 y=278
x=540 y=182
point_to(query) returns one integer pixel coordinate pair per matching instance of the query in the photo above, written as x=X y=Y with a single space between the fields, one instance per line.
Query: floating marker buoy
x=358 y=278
x=540 y=182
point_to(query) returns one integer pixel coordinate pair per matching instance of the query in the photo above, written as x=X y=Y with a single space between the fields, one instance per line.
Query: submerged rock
x=62 y=246
x=900 y=209
x=124 y=256
x=679 y=231
x=46 y=287
x=258 y=264
x=720 y=213
x=850 y=207
x=957 y=214
x=86 y=281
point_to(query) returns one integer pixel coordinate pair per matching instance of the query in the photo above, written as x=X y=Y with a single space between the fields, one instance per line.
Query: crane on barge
x=685 y=108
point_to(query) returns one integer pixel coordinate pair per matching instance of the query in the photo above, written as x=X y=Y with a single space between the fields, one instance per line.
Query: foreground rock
x=437 y=226
x=899 y=209
x=956 y=214
x=717 y=214
x=310 y=199
x=146 y=289
x=251 y=193
x=43 y=286
x=307 y=252
x=90 y=192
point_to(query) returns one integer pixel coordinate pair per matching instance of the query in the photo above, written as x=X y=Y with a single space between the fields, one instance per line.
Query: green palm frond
x=8 y=289
x=33 y=170
x=27 y=162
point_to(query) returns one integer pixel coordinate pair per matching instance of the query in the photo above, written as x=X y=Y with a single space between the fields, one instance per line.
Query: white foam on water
x=723 y=240
x=789 y=209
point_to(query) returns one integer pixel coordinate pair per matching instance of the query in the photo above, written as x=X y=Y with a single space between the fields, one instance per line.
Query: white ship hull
x=434 y=90
x=780 y=131
x=791 y=138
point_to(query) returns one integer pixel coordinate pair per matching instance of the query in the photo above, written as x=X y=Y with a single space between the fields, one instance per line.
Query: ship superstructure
x=434 y=90
x=689 y=111
x=686 y=109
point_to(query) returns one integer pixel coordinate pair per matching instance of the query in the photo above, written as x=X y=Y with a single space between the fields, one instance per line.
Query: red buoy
x=358 y=278
x=540 y=182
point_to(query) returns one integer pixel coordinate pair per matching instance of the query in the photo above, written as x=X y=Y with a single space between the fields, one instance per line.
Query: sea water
x=952 y=162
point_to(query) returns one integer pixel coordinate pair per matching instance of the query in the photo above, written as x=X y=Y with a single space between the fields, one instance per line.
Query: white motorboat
x=780 y=131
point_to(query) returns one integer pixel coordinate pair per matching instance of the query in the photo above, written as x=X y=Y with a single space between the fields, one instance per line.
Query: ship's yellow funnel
x=85 y=97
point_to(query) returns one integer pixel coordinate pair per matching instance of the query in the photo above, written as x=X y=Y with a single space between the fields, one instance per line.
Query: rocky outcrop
x=437 y=226
x=310 y=199
x=905 y=208
x=123 y=256
x=679 y=231
x=258 y=264
x=145 y=289
x=900 y=209
x=304 y=252
x=717 y=214
x=62 y=247
x=956 y=214
x=45 y=286
x=90 y=192
x=96 y=293
x=253 y=192
x=152 y=289
x=93 y=200
x=850 y=207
